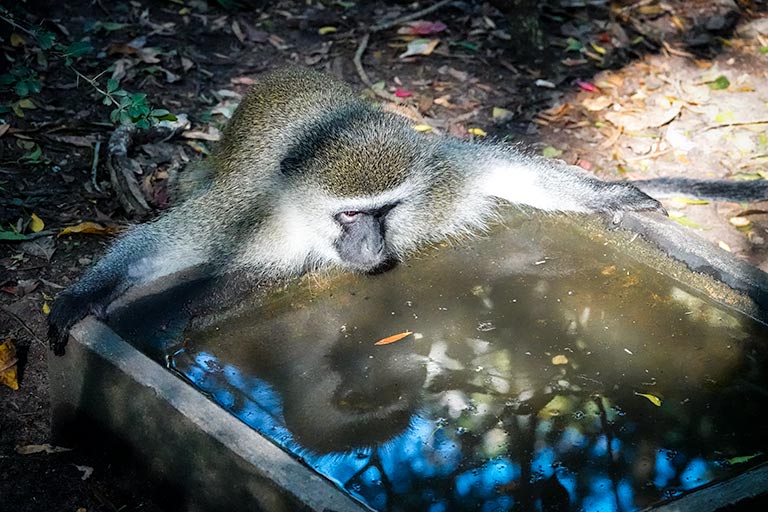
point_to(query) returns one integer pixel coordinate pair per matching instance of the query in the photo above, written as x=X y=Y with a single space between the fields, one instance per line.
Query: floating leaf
x=651 y=398
x=479 y=132
x=9 y=372
x=742 y=459
x=560 y=359
x=420 y=47
x=91 y=228
x=393 y=338
x=46 y=308
x=36 y=224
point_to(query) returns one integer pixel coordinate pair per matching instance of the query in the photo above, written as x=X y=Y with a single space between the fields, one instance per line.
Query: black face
x=363 y=242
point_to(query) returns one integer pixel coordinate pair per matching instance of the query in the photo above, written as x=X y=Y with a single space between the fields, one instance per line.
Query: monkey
x=308 y=175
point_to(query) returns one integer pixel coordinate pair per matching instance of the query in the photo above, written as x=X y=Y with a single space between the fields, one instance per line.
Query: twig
x=736 y=123
x=94 y=164
x=358 y=59
x=15 y=25
x=409 y=17
x=95 y=85
x=24 y=325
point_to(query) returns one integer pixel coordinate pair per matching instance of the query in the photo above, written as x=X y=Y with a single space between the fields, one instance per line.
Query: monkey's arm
x=145 y=253
x=551 y=185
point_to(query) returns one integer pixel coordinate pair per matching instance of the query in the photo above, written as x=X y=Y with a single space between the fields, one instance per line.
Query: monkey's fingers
x=623 y=197
x=57 y=339
x=68 y=309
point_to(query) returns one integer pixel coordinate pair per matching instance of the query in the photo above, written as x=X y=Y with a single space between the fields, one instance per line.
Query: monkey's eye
x=348 y=216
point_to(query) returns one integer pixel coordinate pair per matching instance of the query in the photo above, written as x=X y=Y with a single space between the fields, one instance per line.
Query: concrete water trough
x=553 y=363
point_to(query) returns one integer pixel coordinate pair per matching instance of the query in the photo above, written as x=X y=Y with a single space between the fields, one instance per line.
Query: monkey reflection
x=338 y=393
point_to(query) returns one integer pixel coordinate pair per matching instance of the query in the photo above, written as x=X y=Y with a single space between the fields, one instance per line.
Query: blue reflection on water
x=433 y=466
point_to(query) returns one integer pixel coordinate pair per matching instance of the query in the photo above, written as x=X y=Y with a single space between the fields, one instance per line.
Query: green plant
x=130 y=108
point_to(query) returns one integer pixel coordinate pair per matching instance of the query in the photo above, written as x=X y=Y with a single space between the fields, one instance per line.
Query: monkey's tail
x=749 y=191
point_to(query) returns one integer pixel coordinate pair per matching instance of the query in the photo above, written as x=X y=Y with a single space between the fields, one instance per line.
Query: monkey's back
x=275 y=112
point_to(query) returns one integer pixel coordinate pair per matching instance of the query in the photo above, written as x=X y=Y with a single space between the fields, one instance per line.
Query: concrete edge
x=749 y=484
x=674 y=240
x=269 y=460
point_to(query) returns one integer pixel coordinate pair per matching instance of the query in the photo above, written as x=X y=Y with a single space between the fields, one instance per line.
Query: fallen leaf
x=46 y=308
x=420 y=47
x=238 y=31
x=599 y=49
x=551 y=152
x=422 y=28
x=326 y=30
x=393 y=338
x=422 y=127
x=587 y=86
x=597 y=103
x=479 y=132
x=650 y=118
x=544 y=83
x=400 y=93
x=740 y=222
x=9 y=372
x=685 y=221
x=686 y=200
x=36 y=224
x=501 y=115
x=651 y=398
x=31 y=449
x=17 y=40
x=91 y=228
x=719 y=83
x=724 y=246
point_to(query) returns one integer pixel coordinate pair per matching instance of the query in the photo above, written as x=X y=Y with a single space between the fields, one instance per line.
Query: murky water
x=543 y=364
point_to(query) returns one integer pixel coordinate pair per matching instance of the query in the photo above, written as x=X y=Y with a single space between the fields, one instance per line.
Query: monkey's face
x=362 y=242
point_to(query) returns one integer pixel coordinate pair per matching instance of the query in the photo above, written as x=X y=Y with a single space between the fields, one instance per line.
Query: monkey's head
x=365 y=181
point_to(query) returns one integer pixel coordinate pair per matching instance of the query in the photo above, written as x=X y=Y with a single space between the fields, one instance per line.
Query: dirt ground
x=628 y=90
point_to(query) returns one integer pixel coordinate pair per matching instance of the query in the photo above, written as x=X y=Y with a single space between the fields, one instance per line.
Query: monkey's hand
x=615 y=197
x=68 y=309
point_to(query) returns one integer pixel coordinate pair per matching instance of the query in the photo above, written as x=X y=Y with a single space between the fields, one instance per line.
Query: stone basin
x=554 y=361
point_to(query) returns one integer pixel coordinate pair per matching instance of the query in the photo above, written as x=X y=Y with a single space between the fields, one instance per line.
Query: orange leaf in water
x=393 y=338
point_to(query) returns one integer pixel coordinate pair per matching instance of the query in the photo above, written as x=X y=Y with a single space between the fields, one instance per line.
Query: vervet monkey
x=308 y=175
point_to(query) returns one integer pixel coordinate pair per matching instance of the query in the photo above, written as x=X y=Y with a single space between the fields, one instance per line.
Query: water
x=546 y=363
